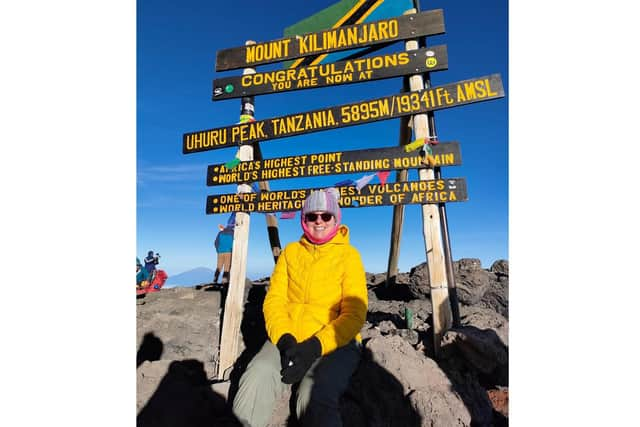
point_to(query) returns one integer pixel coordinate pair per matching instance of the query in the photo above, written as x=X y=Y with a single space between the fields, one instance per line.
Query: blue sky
x=176 y=47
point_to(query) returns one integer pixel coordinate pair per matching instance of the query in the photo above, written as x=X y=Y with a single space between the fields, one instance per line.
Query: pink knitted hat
x=322 y=201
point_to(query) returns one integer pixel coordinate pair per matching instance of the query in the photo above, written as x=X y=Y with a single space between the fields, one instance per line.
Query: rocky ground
x=398 y=383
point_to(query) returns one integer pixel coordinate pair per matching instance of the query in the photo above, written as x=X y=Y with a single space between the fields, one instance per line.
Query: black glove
x=285 y=342
x=302 y=355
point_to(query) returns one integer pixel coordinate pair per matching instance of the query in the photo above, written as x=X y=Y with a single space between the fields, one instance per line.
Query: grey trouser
x=318 y=394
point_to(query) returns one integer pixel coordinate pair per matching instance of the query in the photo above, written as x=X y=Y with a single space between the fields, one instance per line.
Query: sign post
x=234 y=295
x=398 y=210
x=442 y=317
x=451 y=281
x=272 y=221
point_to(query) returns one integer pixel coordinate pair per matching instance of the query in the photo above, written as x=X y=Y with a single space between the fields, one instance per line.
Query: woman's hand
x=286 y=342
x=302 y=357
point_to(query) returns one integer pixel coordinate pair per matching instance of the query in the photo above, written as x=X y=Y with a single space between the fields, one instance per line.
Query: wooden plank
x=404 y=138
x=383 y=31
x=464 y=92
x=334 y=74
x=272 y=221
x=432 y=234
x=334 y=163
x=233 y=307
x=410 y=192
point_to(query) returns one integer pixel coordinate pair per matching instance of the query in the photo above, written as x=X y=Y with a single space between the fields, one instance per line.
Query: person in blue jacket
x=141 y=273
x=151 y=261
x=223 y=244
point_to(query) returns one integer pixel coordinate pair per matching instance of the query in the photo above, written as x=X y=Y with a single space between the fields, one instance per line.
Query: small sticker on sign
x=452 y=184
x=249 y=107
x=431 y=62
x=430 y=53
x=217 y=91
x=228 y=88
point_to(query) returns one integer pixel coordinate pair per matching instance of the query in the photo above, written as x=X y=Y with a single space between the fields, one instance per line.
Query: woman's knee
x=265 y=364
x=329 y=379
x=259 y=369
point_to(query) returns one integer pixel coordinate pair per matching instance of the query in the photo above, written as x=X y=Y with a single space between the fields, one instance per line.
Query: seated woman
x=314 y=309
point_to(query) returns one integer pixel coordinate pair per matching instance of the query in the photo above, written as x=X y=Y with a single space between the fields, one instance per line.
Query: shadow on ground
x=184 y=397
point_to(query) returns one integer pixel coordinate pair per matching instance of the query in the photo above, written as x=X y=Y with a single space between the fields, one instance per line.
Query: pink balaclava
x=322 y=201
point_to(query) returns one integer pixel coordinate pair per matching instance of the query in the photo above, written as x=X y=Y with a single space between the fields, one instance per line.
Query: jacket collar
x=341 y=238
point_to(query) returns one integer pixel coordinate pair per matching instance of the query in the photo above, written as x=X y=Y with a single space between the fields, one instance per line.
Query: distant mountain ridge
x=192 y=277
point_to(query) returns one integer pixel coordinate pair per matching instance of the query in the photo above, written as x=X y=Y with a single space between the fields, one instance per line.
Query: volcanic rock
x=466 y=264
x=471 y=285
x=419 y=282
x=496 y=297
x=500 y=267
x=415 y=391
x=399 y=382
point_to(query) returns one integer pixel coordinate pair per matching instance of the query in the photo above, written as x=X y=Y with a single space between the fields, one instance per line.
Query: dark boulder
x=500 y=267
x=471 y=285
x=466 y=264
x=419 y=282
x=482 y=349
x=485 y=318
x=497 y=296
x=375 y=279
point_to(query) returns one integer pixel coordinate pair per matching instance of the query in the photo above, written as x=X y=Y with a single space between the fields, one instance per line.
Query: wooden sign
x=341 y=14
x=389 y=107
x=384 y=31
x=351 y=71
x=395 y=193
x=340 y=162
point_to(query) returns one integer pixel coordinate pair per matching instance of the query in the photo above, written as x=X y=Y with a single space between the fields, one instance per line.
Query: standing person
x=151 y=261
x=224 y=245
x=314 y=309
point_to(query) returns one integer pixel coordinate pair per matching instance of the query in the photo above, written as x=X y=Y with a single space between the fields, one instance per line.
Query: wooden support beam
x=233 y=306
x=272 y=221
x=451 y=280
x=442 y=317
x=398 y=210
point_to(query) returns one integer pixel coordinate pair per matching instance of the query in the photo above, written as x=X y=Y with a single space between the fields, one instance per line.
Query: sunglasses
x=311 y=217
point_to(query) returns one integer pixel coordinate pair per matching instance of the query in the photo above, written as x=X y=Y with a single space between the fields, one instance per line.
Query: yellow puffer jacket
x=317 y=290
